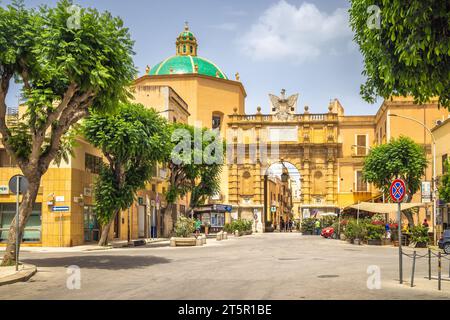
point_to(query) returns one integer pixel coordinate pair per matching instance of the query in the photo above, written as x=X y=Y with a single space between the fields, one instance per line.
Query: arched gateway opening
x=282 y=196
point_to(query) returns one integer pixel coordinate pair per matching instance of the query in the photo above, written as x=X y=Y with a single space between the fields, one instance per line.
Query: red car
x=328 y=232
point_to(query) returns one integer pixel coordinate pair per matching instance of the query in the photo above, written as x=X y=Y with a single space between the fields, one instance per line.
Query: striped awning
x=384 y=207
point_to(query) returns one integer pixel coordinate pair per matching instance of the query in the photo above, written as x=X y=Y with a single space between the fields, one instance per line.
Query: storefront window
x=32 y=231
x=217 y=219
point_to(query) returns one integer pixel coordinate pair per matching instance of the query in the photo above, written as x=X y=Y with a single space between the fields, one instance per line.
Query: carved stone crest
x=283 y=108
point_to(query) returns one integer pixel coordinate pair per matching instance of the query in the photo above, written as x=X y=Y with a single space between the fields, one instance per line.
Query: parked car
x=328 y=232
x=444 y=241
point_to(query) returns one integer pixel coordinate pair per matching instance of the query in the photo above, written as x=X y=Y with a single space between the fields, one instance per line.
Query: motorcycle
x=328 y=232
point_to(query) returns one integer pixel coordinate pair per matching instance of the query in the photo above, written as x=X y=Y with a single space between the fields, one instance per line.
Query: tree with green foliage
x=444 y=185
x=195 y=164
x=68 y=60
x=132 y=139
x=400 y=158
x=406 y=48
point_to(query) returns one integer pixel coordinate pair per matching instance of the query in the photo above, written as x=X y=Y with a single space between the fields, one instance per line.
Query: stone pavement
x=260 y=266
x=88 y=247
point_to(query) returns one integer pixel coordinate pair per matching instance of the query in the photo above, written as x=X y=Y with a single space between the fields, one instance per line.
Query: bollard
x=204 y=239
x=439 y=270
x=225 y=235
x=172 y=242
x=429 y=264
x=413 y=269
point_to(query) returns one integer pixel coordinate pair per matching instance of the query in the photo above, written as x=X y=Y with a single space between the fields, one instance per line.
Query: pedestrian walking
x=198 y=225
x=317 y=226
x=388 y=231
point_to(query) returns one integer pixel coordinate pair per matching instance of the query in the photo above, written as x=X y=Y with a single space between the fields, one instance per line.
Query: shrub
x=308 y=225
x=375 y=231
x=240 y=225
x=184 y=227
x=354 y=230
x=419 y=234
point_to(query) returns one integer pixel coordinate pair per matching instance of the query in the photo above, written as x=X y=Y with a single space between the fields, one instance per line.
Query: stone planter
x=185 y=242
x=342 y=236
x=421 y=245
x=374 y=242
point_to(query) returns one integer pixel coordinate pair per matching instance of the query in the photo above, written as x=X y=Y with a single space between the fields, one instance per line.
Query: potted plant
x=184 y=228
x=350 y=231
x=375 y=232
x=307 y=226
x=360 y=232
x=419 y=236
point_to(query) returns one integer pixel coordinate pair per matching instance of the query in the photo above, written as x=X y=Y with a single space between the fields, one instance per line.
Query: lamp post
x=434 y=168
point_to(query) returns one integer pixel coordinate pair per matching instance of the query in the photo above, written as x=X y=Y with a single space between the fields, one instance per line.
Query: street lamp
x=434 y=168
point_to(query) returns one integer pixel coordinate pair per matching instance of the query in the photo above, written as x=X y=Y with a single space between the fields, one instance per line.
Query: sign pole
x=17 y=223
x=400 y=258
x=397 y=192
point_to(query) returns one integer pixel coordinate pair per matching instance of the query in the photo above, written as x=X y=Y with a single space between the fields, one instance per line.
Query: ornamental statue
x=283 y=108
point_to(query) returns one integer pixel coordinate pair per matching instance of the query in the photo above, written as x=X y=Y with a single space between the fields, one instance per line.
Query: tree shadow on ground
x=108 y=262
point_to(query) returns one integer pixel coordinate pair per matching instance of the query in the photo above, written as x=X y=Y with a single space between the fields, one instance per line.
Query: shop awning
x=384 y=207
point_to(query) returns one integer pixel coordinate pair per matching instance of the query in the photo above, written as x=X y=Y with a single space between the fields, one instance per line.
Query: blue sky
x=302 y=46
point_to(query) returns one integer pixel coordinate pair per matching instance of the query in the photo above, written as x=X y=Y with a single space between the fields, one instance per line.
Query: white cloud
x=302 y=33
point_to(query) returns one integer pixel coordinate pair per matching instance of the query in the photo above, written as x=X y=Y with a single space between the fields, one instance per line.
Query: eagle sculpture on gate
x=283 y=108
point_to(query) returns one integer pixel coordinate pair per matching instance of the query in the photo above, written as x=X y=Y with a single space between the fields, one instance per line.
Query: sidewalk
x=9 y=275
x=91 y=247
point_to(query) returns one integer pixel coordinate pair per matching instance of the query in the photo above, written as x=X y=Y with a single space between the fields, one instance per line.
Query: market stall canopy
x=384 y=207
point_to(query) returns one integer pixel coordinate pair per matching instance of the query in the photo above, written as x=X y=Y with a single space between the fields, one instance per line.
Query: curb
x=20 y=276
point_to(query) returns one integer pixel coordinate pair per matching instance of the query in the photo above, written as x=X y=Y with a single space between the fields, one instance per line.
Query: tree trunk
x=105 y=230
x=409 y=215
x=25 y=209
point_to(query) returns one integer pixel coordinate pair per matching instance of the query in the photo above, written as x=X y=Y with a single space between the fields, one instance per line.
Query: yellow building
x=326 y=149
x=441 y=134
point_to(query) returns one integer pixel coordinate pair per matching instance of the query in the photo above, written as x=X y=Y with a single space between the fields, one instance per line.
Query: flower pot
x=421 y=244
x=357 y=242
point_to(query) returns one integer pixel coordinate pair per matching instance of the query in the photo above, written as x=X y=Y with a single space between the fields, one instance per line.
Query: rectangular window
x=216 y=122
x=32 y=231
x=361 y=185
x=361 y=143
x=6 y=160
x=217 y=219
x=92 y=163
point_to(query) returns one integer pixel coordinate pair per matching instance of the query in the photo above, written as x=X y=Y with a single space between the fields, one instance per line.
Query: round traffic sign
x=23 y=183
x=397 y=190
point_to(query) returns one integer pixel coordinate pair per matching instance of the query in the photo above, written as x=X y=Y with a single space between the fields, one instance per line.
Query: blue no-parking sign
x=397 y=190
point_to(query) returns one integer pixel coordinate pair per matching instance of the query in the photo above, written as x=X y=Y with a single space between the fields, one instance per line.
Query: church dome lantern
x=186 y=44
x=186 y=60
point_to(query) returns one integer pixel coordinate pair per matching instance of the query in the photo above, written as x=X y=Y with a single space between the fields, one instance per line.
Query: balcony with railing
x=305 y=118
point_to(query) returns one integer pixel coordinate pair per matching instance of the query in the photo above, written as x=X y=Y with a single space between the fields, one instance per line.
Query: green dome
x=186 y=64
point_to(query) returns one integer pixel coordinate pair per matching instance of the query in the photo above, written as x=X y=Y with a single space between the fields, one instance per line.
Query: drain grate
x=328 y=276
